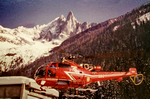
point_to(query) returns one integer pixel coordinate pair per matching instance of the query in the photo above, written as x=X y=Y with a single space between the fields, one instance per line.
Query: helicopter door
x=51 y=75
x=80 y=78
x=51 y=71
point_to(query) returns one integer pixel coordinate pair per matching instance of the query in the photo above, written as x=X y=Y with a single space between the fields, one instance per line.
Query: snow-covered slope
x=21 y=46
x=143 y=18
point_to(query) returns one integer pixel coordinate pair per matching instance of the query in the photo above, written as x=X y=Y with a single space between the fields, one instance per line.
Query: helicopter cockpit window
x=41 y=73
x=52 y=66
x=61 y=65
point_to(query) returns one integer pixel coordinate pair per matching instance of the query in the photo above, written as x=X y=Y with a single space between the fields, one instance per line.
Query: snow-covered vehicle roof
x=8 y=80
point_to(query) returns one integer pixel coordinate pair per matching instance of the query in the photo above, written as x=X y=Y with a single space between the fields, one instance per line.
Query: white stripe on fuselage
x=93 y=76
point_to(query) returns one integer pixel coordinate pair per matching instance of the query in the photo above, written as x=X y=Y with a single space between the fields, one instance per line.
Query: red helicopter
x=68 y=74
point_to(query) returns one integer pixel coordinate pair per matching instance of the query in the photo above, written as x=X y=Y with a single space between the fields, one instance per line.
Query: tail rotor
x=137 y=79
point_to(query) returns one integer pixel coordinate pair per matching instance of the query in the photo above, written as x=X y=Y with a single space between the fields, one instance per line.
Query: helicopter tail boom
x=101 y=76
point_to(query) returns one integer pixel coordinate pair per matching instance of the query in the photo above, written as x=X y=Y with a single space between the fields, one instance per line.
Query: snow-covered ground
x=18 y=47
x=144 y=18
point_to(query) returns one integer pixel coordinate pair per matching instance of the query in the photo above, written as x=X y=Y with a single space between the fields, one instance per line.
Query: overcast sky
x=14 y=13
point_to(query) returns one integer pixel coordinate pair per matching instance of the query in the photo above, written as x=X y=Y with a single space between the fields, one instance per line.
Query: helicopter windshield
x=41 y=72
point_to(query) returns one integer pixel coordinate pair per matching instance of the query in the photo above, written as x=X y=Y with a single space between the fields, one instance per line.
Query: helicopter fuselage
x=71 y=75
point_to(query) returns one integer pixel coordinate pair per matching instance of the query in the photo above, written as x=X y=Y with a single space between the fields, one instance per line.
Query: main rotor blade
x=109 y=55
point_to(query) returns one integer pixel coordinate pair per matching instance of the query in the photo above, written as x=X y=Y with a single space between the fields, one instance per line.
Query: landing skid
x=74 y=96
x=80 y=93
x=91 y=90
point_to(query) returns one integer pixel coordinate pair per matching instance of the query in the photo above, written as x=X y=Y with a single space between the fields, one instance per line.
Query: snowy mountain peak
x=70 y=15
x=62 y=28
x=62 y=17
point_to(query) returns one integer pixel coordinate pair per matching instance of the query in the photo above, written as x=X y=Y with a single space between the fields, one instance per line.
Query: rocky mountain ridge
x=62 y=28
